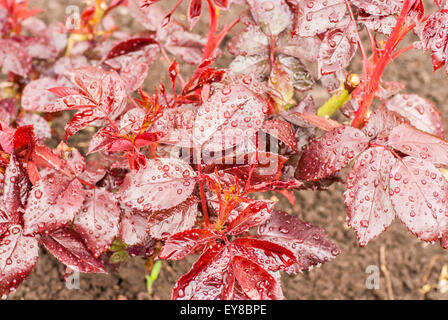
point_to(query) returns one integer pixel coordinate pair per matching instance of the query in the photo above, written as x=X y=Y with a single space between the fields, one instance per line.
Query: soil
x=405 y=262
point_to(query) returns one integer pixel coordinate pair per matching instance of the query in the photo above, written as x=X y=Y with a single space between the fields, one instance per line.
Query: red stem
x=374 y=77
x=201 y=190
x=210 y=47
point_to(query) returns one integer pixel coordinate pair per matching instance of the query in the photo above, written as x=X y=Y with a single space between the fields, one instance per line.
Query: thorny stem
x=201 y=189
x=373 y=78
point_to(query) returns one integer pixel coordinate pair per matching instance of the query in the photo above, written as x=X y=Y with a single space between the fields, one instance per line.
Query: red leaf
x=254 y=214
x=419 y=194
x=35 y=95
x=133 y=228
x=6 y=138
x=267 y=166
x=337 y=49
x=256 y=282
x=103 y=95
x=309 y=243
x=177 y=126
x=194 y=12
x=54 y=201
x=188 y=46
x=330 y=153
x=98 y=220
x=232 y=115
x=129 y=46
x=13 y=58
x=282 y=131
x=15 y=190
x=369 y=208
x=249 y=42
x=421 y=113
x=381 y=24
x=274 y=16
x=63 y=91
x=381 y=122
x=8 y=110
x=379 y=8
x=419 y=144
x=162 y=184
x=269 y=255
x=179 y=245
x=44 y=157
x=150 y=17
x=164 y=223
x=24 y=139
x=18 y=255
x=40 y=125
x=208 y=278
x=433 y=34
x=132 y=58
x=79 y=121
x=67 y=246
x=316 y=17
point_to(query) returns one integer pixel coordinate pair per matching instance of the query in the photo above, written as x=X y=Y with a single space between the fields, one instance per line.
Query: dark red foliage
x=187 y=167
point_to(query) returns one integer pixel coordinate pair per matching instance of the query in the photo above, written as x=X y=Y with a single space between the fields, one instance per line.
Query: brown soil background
x=407 y=259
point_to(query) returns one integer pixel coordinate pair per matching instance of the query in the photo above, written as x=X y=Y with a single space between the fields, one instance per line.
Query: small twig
x=384 y=269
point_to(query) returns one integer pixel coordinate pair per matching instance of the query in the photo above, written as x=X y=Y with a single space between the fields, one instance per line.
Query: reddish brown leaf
x=309 y=243
x=15 y=190
x=231 y=115
x=281 y=130
x=98 y=220
x=337 y=49
x=316 y=17
x=419 y=144
x=103 y=97
x=18 y=255
x=54 y=201
x=255 y=281
x=133 y=228
x=132 y=58
x=162 y=184
x=67 y=246
x=179 y=245
x=381 y=122
x=164 y=223
x=194 y=12
x=315 y=120
x=36 y=96
x=433 y=34
x=421 y=113
x=253 y=215
x=271 y=256
x=185 y=45
x=419 y=194
x=208 y=278
x=274 y=16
